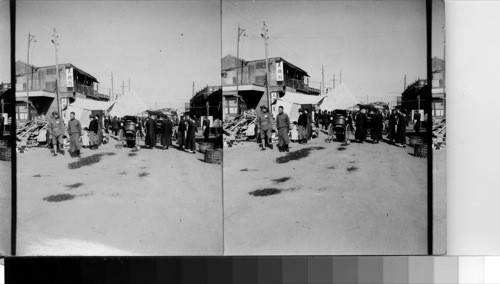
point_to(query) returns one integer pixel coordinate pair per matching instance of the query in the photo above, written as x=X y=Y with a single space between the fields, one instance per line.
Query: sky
x=163 y=46
x=374 y=43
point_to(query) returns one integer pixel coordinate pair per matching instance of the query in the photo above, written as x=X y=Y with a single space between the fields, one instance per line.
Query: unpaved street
x=146 y=202
x=359 y=199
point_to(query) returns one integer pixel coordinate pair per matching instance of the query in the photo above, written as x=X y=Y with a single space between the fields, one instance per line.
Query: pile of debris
x=240 y=128
x=32 y=133
x=439 y=134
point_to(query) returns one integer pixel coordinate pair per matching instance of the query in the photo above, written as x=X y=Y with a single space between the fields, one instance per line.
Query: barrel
x=420 y=150
x=204 y=146
x=339 y=120
x=213 y=156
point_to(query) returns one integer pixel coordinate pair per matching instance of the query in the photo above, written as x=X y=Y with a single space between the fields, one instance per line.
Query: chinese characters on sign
x=279 y=71
x=69 y=78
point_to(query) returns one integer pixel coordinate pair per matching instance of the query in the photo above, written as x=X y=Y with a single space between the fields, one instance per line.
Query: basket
x=204 y=146
x=414 y=140
x=213 y=156
x=5 y=154
x=421 y=150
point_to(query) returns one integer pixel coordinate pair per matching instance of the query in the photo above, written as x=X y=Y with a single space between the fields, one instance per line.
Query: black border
x=428 y=107
x=13 y=124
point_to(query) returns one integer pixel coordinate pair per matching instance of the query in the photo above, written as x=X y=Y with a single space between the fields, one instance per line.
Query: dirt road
x=359 y=199
x=149 y=202
x=5 y=206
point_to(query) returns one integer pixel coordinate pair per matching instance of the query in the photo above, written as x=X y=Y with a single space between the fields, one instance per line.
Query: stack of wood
x=439 y=134
x=32 y=133
x=240 y=128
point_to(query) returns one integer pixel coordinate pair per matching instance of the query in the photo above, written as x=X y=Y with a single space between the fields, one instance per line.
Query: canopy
x=292 y=109
x=302 y=99
x=129 y=104
x=83 y=108
x=340 y=98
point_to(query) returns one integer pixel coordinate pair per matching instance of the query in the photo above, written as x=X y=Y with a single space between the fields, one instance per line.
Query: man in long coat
x=93 y=130
x=74 y=132
x=283 y=125
x=166 y=133
x=361 y=124
x=377 y=127
x=206 y=128
x=181 y=132
x=393 y=121
x=302 y=125
x=151 y=132
x=401 y=129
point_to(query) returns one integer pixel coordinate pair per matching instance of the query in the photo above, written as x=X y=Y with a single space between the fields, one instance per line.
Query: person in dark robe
x=2 y=121
x=191 y=134
x=401 y=129
x=361 y=123
x=115 y=126
x=151 y=132
x=393 y=121
x=309 y=125
x=74 y=132
x=93 y=128
x=206 y=128
x=166 y=133
x=283 y=126
x=417 y=118
x=181 y=132
x=99 y=130
x=302 y=124
x=377 y=125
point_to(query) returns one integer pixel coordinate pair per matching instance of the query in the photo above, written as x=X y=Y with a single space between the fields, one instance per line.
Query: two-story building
x=207 y=101
x=36 y=87
x=244 y=82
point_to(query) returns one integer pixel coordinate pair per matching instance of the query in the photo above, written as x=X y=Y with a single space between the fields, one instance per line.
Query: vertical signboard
x=279 y=71
x=69 y=78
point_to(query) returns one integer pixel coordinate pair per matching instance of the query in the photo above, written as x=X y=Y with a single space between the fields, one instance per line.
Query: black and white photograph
x=325 y=124
x=119 y=131
x=5 y=126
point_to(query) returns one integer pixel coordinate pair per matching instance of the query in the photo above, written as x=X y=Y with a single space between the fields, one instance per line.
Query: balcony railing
x=296 y=84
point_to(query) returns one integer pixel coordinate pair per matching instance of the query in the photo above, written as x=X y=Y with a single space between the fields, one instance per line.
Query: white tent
x=340 y=98
x=83 y=108
x=129 y=104
x=302 y=99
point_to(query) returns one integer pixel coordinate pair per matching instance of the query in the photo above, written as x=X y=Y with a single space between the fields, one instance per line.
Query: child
x=294 y=132
x=331 y=132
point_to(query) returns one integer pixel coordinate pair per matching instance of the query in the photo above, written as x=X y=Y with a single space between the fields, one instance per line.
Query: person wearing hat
x=265 y=123
x=283 y=126
x=93 y=128
x=74 y=132
x=56 y=130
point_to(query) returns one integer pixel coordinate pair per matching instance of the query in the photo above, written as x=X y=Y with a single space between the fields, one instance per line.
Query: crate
x=421 y=150
x=213 y=156
x=414 y=140
x=204 y=146
x=5 y=154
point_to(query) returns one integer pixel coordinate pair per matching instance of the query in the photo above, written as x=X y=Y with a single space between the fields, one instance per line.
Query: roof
x=302 y=99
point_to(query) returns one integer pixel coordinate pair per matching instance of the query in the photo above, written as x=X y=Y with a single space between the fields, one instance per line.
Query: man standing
x=166 y=133
x=191 y=134
x=206 y=128
x=376 y=127
x=393 y=121
x=115 y=126
x=93 y=128
x=56 y=130
x=181 y=132
x=283 y=125
x=401 y=129
x=302 y=123
x=361 y=123
x=74 y=132
x=151 y=132
x=2 y=122
x=417 y=118
x=265 y=123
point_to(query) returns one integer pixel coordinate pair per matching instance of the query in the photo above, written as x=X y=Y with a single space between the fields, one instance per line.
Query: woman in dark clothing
x=166 y=133
x=191 y=134
x=151 y=132
x=393 y=121
x=309 y=125
x=115 y=126
x=401 y=129
x=361 y=123
x=181 y=132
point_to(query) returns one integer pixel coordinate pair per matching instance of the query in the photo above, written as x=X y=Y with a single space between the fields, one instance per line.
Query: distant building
x=207 y=101
x=41 y=83
x=415 y=94
x=250 y=83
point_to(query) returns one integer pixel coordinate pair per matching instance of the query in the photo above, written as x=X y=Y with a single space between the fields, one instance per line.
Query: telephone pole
x=404 y=87
x=264 y=35
x=240 y=32
x=129 y=83
x=340 y=80
x=54 y=41
x=123 y=88
x=322 y=80
x=30 y=38
x=193 y=90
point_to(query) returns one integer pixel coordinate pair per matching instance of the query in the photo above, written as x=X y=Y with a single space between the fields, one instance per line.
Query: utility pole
x=112 y=90
x=322 y=80
x=129 y=83
x=264 y=35
x=193 y=90
x=404 y=87
x=366 y=99
x=340 y=80
x=54 y=41
x=30 y=37
x=333 y=81
x=240 y=32
x=444 y=72
x=123 y=88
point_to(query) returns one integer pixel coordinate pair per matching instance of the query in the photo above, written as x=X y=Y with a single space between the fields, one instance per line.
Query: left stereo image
x=118 y=135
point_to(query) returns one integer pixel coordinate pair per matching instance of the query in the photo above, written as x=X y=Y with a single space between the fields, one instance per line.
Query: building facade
x=36 y=88
x=244 y=83
x=207 y=102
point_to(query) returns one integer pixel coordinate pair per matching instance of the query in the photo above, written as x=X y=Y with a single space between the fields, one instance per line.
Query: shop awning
x=231 y=90
x=35 y=94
